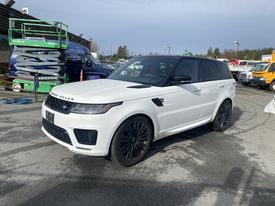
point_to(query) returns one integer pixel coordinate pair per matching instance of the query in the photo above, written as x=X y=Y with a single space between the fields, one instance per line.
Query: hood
x=104 y=91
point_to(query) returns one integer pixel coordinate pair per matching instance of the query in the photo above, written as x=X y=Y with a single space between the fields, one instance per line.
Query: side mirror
x=185 y=79
x=89 y=63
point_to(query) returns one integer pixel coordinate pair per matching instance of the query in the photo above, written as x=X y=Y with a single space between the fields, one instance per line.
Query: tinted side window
x=80 y=50
x=224 y=70
x=188 y=67
x=209 y=71
x=272 y=68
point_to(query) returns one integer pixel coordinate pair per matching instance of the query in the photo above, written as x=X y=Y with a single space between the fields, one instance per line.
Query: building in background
x=7 y=12
x=267 y=57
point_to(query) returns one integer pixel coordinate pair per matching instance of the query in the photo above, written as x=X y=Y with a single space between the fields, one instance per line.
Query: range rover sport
x=146 y=99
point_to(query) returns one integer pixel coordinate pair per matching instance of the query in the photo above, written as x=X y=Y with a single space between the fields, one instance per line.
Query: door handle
x=222 y=86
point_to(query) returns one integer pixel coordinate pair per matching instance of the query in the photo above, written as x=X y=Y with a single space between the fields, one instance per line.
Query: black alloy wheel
x=132 y=141
x=224 y=117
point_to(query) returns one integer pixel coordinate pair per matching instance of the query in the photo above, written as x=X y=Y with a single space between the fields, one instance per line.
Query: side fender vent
x=158 y=102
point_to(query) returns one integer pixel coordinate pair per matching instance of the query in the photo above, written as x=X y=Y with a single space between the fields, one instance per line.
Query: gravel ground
x=198 y=167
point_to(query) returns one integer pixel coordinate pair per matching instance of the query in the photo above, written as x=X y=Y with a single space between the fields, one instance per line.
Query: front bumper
x=244 y=80
x=258 y=82
x=66 y=123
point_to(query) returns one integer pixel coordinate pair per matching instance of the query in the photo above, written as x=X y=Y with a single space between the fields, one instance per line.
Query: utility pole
x=238 y=46
x=169 y=49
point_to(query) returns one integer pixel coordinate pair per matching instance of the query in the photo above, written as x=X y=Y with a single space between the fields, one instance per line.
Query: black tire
x=272 y=86
x=261 y=87
x=223 y=117
x=245 y=84
x=131 y=141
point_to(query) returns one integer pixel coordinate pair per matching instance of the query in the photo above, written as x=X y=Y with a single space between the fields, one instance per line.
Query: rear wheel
x=131 y=141
x=272 y=86
x=223 y=117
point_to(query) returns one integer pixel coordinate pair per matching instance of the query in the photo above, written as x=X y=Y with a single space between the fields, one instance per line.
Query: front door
x=181 y=103
x=211 y=86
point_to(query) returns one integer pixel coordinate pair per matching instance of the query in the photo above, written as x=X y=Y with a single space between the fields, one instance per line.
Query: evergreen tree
x=210 y=52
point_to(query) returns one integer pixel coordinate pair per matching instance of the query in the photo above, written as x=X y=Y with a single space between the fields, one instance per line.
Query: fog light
x=87 y=137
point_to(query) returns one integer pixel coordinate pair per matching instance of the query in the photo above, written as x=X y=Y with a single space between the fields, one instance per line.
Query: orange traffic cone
x=81 y=75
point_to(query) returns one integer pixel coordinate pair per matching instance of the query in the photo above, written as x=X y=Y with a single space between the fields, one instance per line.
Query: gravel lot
x=198 y=167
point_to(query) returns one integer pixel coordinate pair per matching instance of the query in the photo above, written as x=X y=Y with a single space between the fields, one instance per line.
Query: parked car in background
x=264 y=76
x=246 y=77
x=120 y=116
x=242 y=66
x=52 y=64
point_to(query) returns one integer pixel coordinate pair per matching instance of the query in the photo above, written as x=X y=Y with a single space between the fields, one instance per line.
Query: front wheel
x=272 y=86
x=223 y=117
x=132 y=141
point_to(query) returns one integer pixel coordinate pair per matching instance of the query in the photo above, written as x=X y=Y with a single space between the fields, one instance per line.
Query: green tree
x=122 y=52
x=93 y=46
x=217 y=53
x=210 y=52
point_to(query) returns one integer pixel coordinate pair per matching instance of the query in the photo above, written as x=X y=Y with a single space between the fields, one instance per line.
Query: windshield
x=252 y=63
x=91 y=58
x=146 y=70
x=261 y=66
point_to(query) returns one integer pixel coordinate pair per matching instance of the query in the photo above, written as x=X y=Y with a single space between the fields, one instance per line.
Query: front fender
x=136 y=107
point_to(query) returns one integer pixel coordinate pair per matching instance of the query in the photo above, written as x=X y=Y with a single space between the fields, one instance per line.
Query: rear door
x=211 y=86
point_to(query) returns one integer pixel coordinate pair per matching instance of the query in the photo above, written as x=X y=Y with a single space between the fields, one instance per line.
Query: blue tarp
x=16 y=101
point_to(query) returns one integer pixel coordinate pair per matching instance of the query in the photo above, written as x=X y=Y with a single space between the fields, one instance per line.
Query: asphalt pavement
x=199 y=167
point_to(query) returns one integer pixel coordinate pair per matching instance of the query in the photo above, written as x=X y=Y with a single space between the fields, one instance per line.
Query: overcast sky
x=151 y=25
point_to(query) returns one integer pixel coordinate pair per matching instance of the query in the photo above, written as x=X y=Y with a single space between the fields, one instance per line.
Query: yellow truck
x=264 y=77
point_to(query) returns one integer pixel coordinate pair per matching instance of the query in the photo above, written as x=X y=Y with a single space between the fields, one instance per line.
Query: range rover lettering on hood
x=62 y=97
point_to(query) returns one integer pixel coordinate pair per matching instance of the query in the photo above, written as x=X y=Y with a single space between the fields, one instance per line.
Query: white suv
x=120 y=116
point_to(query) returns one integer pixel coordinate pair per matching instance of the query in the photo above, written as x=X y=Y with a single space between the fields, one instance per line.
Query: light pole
x=238 y=46
x=169 y=49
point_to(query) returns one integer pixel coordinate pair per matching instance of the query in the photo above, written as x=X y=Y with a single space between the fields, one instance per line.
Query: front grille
x=58 y=105
x=56 y=131
x=242 y=76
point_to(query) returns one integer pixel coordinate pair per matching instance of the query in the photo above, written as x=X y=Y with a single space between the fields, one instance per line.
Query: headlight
x=92 y=108
x=262 y=79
